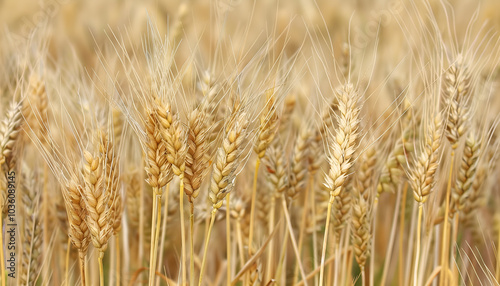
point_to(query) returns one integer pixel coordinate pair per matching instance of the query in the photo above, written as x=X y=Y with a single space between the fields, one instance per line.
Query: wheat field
x=234 y=142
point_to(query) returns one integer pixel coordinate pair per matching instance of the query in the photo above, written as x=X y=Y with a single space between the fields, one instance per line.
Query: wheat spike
x=343 y=144
x=365 y=172
x=174 y=136
x=422 y=174
x=97 y=196
x=226 y=161
x=197 y=148
x=457 y=92
x=158 y=169
x=466 y=174
x=276 y=169
x=361 y=231
x=9 y=132
x=132 y=198
x=268 y=125
x=298 y=164
x=393 y=169
x=112 y=182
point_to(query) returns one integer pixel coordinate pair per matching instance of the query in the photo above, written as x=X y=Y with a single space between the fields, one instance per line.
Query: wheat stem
x=292 y=238
x=454 y=249
x=163 y=232
x=207 y=239
x=154 y=229
x=239 y=237
x=228 y=241
x=417 y=251
x=118 y=264
x=183 y=230
x=270 y=250
x=46 y=224
x=374 y=225
x=388 y=254
x=314 y=234
x=303 y=226
x=281 y=263
x=497 y=272
x=401 y=234
x=66 y=269
x=363 y=277
x=252 y=206
x=444 y=244
x=191 y=244
x=2 y=262
x=101 y=268
x=325 y=239
x=140 y=249
x=81 y=256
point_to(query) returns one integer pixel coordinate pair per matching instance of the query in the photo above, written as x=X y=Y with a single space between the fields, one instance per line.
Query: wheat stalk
x=265 y=134
x=159 y=172
x=342 y=146
x=101 y=195
x=457 y=93
x=174 y=136
x=224 y=170
x=421 y=177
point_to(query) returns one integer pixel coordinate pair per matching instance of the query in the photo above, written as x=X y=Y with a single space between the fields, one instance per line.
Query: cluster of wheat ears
x=233 y=144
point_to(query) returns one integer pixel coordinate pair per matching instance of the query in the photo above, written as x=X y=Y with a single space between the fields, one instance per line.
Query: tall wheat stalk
x=224 y=172
x=342 y=148
x=422 y=178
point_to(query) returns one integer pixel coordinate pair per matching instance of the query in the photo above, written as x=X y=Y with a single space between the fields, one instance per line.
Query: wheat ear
x=196 y=164
x=265 y=134
x=101 y=193
x=78 y=229
x=466 y=174
x=298 y=164
x=224 y=171
x=159 y=172
x=113 y=184
x=422 y=177
x=457 y=93
x=278 y=180
x=174 y=136
x=9 y=132
x=343 y=146
x=361 y=234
